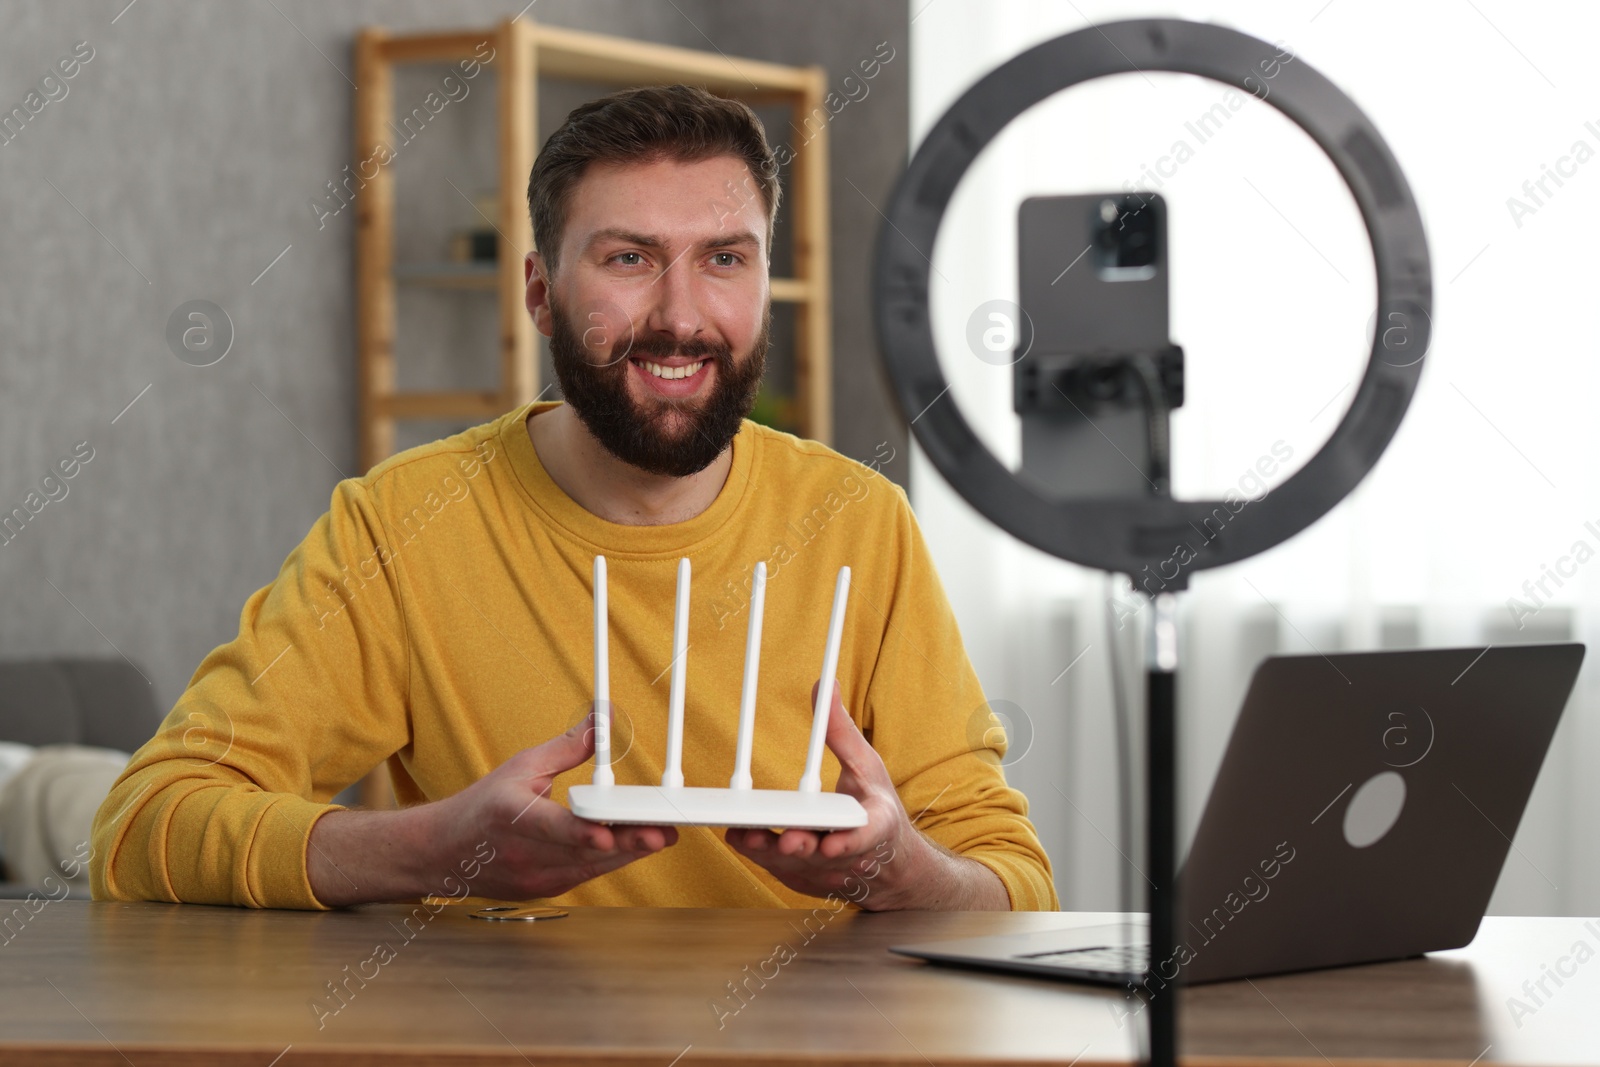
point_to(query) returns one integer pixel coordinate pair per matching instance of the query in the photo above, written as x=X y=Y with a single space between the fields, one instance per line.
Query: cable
x=1155 y=402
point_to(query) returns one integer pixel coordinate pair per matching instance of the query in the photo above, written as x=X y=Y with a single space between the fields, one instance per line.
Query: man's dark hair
x=644 y=125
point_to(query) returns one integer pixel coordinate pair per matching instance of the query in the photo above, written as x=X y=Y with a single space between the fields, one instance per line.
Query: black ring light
x=1125 y=534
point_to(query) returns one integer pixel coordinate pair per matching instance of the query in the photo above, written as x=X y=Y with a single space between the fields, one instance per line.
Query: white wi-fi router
x=674 y=804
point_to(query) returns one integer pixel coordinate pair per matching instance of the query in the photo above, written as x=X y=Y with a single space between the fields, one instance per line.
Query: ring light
x=1125 y=534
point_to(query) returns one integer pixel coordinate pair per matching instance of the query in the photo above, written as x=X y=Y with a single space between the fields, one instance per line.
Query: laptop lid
x=1365 y=806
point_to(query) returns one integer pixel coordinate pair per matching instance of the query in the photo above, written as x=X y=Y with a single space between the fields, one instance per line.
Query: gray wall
x=178 y=164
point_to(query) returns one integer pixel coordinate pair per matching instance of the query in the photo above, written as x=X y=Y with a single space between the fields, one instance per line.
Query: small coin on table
x=503 y=913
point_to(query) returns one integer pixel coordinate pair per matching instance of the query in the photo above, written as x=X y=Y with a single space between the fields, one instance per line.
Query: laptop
x=1362 y=812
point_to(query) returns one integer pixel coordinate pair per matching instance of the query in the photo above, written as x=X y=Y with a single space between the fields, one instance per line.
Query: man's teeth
x=671 y=372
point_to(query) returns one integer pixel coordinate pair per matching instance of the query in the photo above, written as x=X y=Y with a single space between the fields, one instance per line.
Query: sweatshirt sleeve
x=927 y=717
x=217 y=808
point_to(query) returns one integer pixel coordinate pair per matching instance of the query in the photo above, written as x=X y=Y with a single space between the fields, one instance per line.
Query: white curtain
x=1493 y=110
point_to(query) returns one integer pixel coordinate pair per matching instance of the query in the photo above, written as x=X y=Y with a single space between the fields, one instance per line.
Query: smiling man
x=438 y=616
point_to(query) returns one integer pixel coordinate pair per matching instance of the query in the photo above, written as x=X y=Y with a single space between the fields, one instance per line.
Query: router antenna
x=752 y=667
x=811 y=780
x=672 y=777
x=602 y=680
x=739 y=804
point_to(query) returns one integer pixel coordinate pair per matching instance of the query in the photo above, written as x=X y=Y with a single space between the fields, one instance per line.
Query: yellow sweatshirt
x=440 y=617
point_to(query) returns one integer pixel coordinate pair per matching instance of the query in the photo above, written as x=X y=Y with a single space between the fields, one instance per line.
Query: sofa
x=98 y=702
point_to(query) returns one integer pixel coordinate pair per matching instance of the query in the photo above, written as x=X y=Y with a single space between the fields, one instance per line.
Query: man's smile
x=676 y=377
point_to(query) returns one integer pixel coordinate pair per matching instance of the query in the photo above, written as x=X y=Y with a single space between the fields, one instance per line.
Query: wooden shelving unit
x=524 y=52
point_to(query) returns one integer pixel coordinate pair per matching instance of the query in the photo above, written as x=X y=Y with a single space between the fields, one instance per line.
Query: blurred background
x=199 y=152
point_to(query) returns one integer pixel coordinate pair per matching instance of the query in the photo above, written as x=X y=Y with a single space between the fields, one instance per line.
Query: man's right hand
x=540 y=849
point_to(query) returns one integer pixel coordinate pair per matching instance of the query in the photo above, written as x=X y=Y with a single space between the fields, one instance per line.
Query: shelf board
x=434 y=47
x=581 y=56
x=593 y=57
x=790 y=290
x=442 y=405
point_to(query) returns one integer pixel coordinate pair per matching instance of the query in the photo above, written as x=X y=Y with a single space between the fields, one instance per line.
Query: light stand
x=1161 y=798
x=1132 y=534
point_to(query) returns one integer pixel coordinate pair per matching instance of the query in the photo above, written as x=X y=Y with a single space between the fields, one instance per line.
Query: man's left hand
x=887 y=856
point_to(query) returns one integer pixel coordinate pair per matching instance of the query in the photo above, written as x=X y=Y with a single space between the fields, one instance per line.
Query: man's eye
x=725 y=259
x=623 y=256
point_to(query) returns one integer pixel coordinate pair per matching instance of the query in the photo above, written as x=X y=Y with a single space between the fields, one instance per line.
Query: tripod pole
x=1161 y=745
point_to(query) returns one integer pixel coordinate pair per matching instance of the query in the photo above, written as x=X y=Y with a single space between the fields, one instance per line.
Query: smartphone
x=1092 y=282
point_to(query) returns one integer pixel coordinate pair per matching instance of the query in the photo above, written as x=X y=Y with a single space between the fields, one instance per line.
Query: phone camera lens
x=1125 y=236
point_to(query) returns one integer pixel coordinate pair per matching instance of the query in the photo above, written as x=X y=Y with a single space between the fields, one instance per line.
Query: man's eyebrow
x=738 y=237
x=611 y=233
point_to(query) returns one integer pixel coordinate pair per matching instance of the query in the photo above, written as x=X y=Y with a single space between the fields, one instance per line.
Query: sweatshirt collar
x=620 y=539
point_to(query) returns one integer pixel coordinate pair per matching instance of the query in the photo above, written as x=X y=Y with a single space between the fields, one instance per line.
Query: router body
x=674 y=804
x=689 y=805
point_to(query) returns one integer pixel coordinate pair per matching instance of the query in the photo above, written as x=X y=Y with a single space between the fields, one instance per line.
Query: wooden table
x=148 y=984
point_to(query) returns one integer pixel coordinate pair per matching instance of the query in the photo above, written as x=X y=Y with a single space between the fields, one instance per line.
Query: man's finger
x=559 y=826
x=846 y=842
x=751 y=839
x=561 y=753
x=762 y=842
x=645 y=838
x=845 y=740
x=798 y=843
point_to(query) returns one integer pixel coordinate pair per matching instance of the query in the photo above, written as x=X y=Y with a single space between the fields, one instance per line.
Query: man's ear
x=535 y=277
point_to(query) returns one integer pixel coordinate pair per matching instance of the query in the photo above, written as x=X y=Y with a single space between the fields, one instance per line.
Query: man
x=439 y=615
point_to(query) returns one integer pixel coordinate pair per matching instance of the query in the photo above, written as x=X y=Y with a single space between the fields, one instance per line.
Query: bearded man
x=438 y=616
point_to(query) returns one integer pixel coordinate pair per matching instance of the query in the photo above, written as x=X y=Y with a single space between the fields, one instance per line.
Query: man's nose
x=675 y=305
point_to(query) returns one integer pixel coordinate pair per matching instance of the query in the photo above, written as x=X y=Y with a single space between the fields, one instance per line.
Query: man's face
x=659 y=314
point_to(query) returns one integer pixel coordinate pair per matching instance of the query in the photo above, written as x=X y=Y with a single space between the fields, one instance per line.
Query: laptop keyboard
x=1102 y=959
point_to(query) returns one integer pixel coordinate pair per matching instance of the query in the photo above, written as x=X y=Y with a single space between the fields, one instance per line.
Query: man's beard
x=639 y=434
